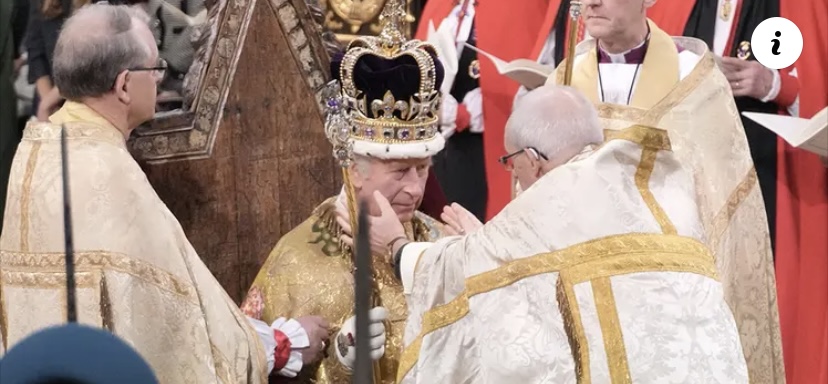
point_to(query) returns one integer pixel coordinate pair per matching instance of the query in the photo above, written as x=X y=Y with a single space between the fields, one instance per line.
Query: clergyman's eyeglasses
x=506 y=160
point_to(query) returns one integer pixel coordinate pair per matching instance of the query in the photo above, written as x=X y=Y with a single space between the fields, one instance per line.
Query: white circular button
x=776 y=43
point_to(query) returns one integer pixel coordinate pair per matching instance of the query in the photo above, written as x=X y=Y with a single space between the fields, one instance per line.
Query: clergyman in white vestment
x=136 y=273
x=636 y=74
x=576 y=279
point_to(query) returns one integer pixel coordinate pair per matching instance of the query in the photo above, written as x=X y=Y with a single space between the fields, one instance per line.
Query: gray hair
x=362 y=164
x=556 y=120
x=95 y=45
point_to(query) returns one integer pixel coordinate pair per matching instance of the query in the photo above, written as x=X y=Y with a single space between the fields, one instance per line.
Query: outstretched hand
x=384 y=228
x=459 y=221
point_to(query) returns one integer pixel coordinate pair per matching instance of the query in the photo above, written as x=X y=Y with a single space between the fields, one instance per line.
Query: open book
x=528 y=73
x=808 y=134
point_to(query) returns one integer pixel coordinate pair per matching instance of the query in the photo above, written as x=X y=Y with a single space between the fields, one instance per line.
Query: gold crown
x=387 y=120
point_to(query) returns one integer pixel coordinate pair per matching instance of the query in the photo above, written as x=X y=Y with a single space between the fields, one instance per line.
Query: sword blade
x=69 y=246
x=363 y=368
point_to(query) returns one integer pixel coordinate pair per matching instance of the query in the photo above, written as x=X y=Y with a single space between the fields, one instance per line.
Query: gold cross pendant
x=726 y=9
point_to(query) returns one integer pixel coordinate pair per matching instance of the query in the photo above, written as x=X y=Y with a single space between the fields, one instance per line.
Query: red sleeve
x=788 y=88
x=463 y=119
x=282 y=353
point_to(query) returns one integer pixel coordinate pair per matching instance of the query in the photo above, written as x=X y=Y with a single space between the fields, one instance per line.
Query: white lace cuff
x=776 y=86
x=296 y=337
x=448 y=115
x=474 y=104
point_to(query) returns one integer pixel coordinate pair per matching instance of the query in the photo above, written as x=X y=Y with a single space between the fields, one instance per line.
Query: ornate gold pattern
x=725 y=215
x=88 y=262
x=647 y=137
x=25 y=199
x=642 y=182
x=356 y=13
x=571 y=314
x=309 y=272
x=644 y=251
x=732 y=214
x=619 y=368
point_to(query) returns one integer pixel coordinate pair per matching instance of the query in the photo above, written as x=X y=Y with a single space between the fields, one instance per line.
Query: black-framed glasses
x=506 y=160
x=159 y=70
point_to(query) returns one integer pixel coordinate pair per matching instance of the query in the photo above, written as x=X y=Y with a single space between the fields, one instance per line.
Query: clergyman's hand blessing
x=459 y=221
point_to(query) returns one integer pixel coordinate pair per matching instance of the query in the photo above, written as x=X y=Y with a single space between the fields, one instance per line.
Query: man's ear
x=122 y=84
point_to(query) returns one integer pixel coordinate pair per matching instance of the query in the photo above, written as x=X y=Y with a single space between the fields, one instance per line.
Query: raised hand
x=459 y=221
x=385 y=228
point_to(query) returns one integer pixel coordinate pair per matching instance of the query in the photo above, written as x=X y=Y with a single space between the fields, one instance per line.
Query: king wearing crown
x=382 y=121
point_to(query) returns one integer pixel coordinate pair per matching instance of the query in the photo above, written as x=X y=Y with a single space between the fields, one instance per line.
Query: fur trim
x=417 y=150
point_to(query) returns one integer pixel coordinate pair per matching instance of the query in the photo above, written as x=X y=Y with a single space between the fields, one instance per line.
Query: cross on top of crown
x=392 y=19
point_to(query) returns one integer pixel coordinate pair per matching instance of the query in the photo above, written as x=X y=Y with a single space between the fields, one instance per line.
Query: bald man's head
x=95 y=45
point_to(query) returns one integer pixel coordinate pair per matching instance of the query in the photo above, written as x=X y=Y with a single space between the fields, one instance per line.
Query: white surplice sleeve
x=282 y=340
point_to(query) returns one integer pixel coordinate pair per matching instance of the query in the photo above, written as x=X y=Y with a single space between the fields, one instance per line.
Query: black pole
x=71 y=307
x=363 y=368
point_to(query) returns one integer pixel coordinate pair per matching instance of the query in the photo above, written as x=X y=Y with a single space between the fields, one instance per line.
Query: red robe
x=509 y=30
x=802 y=237
x=802 y=197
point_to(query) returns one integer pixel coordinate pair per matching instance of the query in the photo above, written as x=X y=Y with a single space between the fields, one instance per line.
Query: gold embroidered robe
x=310 y=273
x=137 y=275
x=697 y=108
x=577 y=280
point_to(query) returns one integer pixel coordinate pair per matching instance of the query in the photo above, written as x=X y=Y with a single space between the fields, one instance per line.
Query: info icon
x=776 y=43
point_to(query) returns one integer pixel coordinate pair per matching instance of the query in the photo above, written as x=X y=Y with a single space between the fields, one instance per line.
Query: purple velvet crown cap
x=374 y=75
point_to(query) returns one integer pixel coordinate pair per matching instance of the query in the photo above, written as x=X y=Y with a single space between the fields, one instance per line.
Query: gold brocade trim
x=723 y=218
x=646 y=137
x=697 y=259
x=575 y=333
x=652 y=116
x=81 y=122
x=46 y=280
x=638 y=244
x=25 y=197
x=614 y=347
x=39 y=269
x=642 y=182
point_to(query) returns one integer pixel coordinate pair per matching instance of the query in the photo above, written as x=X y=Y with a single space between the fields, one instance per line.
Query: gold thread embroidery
x=26 y=196
x=619 y=368
x=722 y=220
x=47 y=280
x=697 y=260
x=574 y=327
x=647 y=137
x=40 y=266
x=658 y=245
x=642 y=181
